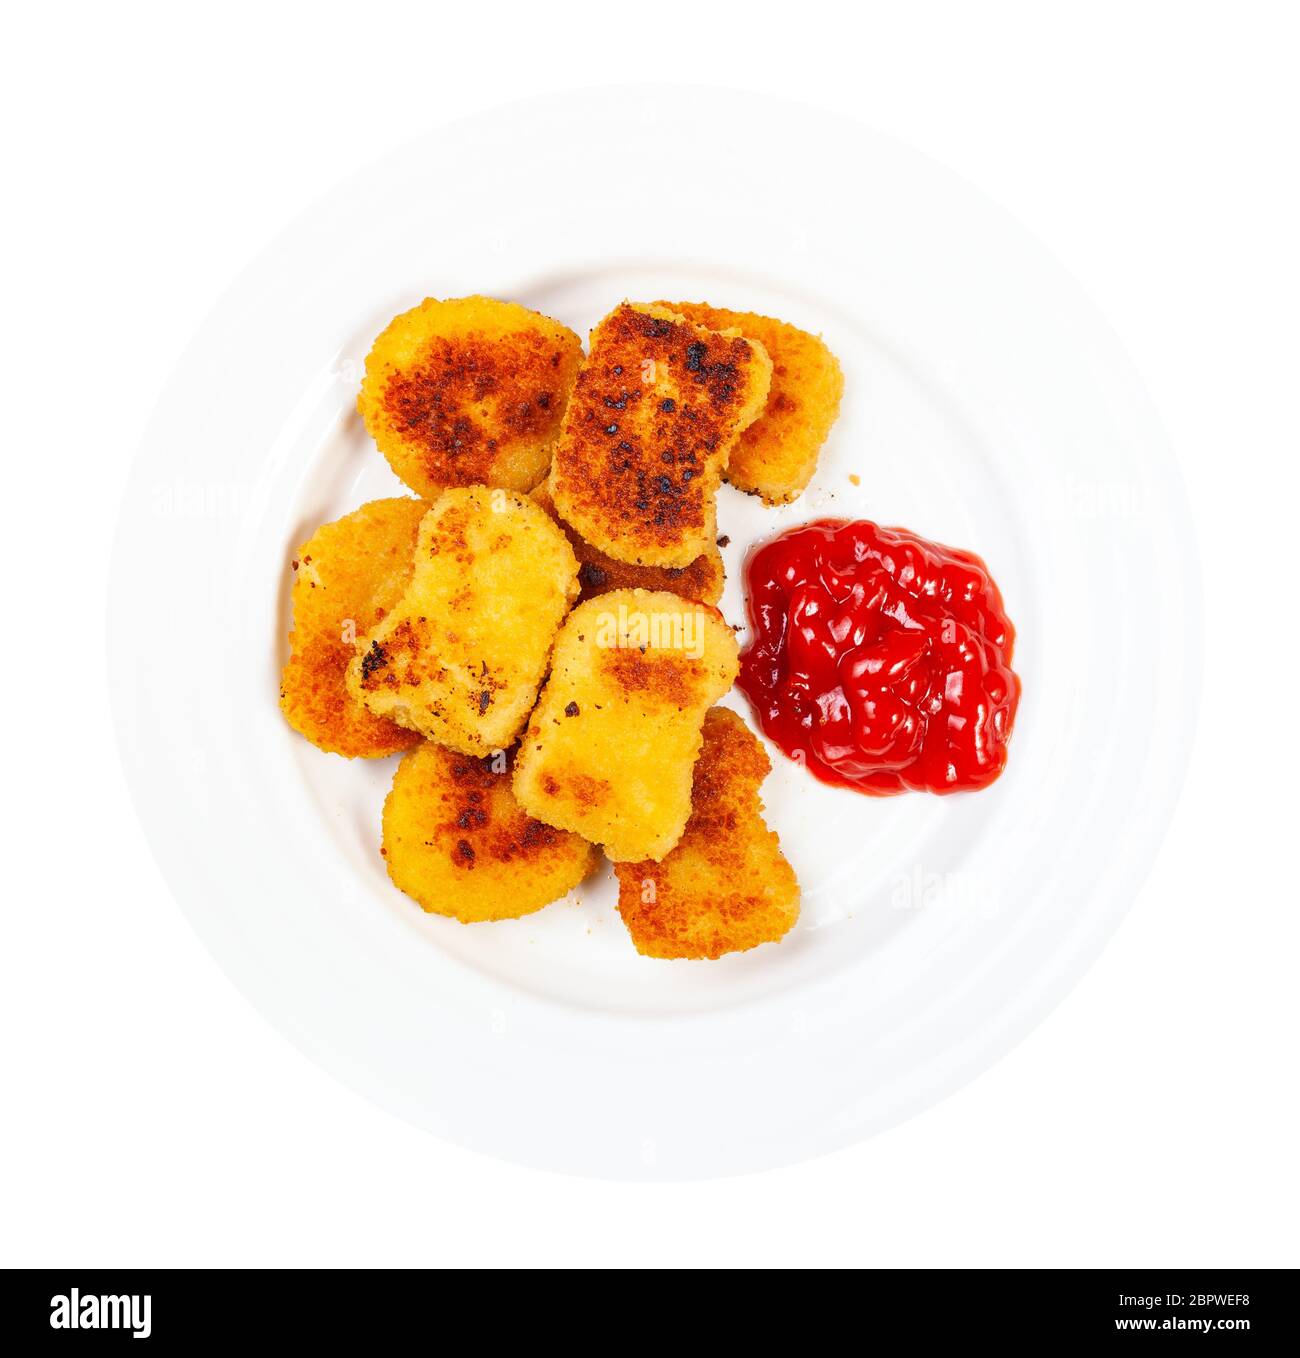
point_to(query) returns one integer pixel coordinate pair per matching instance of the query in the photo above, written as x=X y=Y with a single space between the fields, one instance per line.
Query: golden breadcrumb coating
x=469 y=392
x=702 y=580
x=657 y=408
x=457 y=841
x=609 y=749
x=726 y=886
x=777 y=455
x=347 y=576
x=459 y=658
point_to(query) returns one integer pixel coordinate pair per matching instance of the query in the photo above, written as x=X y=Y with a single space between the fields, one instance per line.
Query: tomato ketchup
x=880 y=660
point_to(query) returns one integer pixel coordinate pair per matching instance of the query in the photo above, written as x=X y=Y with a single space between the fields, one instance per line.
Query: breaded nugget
x=457 y=841
x=460 y=656
x=469 y=392
x=702 y=580
x=609 y=749
x=658 y=406
x=777 y=455
x=726 y=886
x=348 y=574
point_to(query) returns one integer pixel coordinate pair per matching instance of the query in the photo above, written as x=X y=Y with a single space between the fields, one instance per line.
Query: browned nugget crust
x=609 y=748
x=458 y=843
x=461 y=655
x=777 y=455
x=469 y=392
x=347 y=576
x=702 y=580
x=726 y=886
x=656 y=410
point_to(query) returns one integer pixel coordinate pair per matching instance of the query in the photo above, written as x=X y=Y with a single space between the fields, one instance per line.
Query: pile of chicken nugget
x=537 y=634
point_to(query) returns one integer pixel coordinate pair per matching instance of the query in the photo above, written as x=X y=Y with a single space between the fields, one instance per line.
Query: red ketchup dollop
x=879 y=659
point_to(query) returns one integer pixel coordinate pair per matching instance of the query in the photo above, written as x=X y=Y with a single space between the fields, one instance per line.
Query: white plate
x=987 y=406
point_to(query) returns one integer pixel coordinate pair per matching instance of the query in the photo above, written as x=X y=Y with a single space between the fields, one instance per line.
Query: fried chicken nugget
x=777 y=455
x=702 y=580
x=609 y=749
x=727 y=886
x=469 y=392
x=458 y=843
x=657 y=408
x=348 y=574
x=460 y=656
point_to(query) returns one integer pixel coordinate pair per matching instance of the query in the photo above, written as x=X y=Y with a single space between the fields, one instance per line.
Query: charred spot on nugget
x=469 y=392
x=657 y=409
x=458 y=843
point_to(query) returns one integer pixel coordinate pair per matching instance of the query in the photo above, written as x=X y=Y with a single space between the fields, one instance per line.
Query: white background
x=151 y=1117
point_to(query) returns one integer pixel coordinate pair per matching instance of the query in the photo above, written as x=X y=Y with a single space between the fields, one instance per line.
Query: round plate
x=986 y=406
